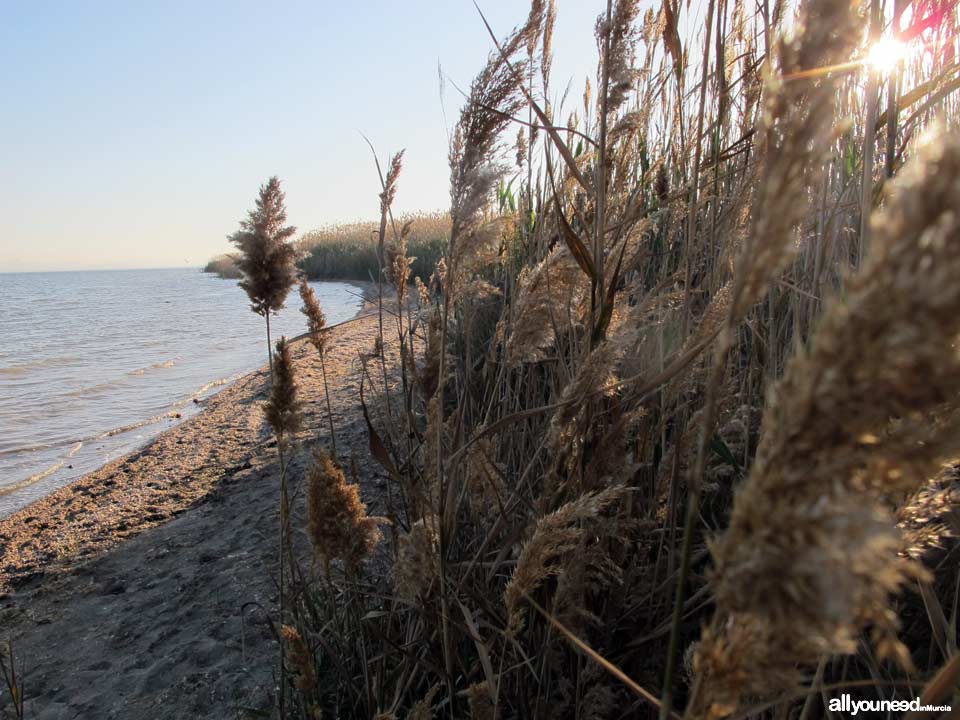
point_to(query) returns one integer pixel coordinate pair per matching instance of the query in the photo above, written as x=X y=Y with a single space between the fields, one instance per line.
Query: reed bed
x=348 y=251
x=673 y=431
x=224 y=266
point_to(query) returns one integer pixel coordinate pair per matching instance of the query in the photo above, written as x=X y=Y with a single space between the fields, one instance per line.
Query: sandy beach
x=143 y=590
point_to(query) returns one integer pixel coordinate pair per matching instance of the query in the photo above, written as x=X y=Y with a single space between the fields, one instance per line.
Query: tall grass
x=349 y=251
x=224 y=266
x=667 y=433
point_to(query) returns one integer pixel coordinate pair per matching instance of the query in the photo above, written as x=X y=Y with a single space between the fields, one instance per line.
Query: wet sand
x=144 y=589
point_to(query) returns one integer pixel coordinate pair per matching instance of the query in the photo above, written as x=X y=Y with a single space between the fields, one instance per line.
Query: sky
x=137 y=134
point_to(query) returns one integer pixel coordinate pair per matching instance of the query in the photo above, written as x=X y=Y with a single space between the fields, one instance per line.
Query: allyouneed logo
x=847 y=704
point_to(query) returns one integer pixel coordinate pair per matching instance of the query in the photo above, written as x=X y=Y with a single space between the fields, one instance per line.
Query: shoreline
x=21 y=560
x=147 y=587
x=124 y=440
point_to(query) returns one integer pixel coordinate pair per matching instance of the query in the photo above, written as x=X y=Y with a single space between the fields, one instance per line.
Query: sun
x=885 y=54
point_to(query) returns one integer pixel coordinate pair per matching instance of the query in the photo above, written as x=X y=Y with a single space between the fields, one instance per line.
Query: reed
x=665 y=435
x=348 y=251
x=224 y=266
x=316 y=328
x=266 y=263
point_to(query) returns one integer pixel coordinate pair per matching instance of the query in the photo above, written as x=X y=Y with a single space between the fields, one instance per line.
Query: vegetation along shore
x=661 y=422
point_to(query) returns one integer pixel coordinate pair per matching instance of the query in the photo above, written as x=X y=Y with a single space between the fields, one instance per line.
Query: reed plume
x=925 y=518
x=299 y=657
x=811 y=554
x=266 y=263
x=316 y=320
x=316 y=330
x=266 y=257
x=338 y=524
x=416 y=570
x=798 y=128
x=398 y=264
x=474 y=156
x=547 y=294
x=283 y=410
x=480 y=699
x=619 y=35
x=555 y=537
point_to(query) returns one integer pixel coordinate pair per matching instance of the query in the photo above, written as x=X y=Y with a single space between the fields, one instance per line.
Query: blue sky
x=136 y=134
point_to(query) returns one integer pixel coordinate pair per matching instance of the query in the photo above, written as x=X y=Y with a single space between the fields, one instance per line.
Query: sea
x=93 y=364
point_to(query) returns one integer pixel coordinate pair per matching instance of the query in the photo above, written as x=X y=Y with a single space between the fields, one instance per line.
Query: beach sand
x=145 y=589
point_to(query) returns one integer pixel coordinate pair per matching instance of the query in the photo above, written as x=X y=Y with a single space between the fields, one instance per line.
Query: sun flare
x=885 y=54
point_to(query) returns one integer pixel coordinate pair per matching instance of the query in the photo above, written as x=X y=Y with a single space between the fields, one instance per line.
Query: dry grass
x=580 y=486
x=349 y=250
x=224 y=266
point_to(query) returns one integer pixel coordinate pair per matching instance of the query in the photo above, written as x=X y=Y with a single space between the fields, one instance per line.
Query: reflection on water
x=92 y=364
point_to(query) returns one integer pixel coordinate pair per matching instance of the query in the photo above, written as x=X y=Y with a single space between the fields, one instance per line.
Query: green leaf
x=723 y=451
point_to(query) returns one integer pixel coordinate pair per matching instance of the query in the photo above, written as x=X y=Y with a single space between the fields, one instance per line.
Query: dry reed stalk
x=387 y=195
x=316 y=330
x=811 y=554
x=475 y=169
x=283 y=413
x=266 y=263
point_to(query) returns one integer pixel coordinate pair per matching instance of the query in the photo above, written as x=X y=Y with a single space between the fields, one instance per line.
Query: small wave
x=204 y=389
x=25 y=367
x=216 y=383
x=75 y=445
x=169 y=414
x=32 y=448
x=91 y=389
x=156 y=366
x=37 y=477
x=135 y=426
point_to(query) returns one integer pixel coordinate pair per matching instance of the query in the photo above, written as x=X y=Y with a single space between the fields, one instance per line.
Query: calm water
x=93 y=364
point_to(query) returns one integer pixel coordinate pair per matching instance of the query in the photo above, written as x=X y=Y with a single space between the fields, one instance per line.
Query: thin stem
x=326 y=392
x=872 y=99
x=283 y=501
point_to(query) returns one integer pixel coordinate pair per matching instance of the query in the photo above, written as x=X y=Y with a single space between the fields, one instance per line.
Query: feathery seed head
x=316 y=320
x=339 y=526
x=390 y=183
x=299 y=657
x=418 y=564
x=267 y=257
x=283 y=410
x=812 y=553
